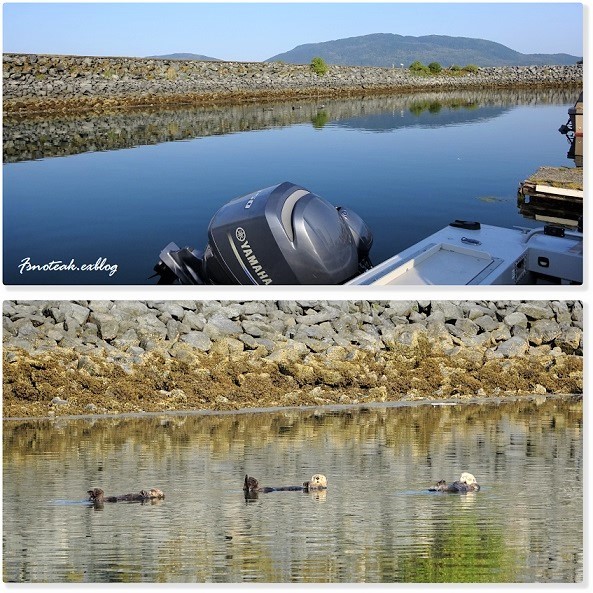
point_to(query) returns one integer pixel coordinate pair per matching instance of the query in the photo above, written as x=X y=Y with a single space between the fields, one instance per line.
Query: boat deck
x=489 y=255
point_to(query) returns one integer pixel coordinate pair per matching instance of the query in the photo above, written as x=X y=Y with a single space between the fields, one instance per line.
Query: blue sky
x=256 y=31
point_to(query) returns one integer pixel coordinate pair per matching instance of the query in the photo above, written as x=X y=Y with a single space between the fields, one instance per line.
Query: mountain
x=387 y=50
x=185 y=57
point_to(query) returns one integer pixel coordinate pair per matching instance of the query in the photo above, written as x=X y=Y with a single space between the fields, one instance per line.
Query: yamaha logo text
x=251 y=259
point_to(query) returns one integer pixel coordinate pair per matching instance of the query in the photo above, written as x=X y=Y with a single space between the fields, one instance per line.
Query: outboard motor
x=279 y=235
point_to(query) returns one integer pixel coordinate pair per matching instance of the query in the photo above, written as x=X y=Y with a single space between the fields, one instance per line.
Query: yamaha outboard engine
x=279 y=235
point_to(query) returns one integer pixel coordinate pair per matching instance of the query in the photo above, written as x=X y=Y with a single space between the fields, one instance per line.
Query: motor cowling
x=282 y=234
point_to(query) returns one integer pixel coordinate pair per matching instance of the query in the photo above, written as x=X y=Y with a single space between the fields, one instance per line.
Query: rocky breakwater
x=107 y=357
x=52 y=83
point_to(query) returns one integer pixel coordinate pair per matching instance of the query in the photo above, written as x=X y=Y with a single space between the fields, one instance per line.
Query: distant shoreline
x=51 y=84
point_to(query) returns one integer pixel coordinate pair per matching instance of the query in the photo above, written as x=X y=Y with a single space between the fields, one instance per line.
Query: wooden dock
x=553 y=195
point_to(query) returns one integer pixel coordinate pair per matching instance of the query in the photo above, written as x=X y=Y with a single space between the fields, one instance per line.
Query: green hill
x=387 y=49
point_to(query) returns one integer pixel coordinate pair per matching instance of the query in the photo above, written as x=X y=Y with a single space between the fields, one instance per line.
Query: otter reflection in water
x=466 y=483
x=251 y=486
x=97 y=496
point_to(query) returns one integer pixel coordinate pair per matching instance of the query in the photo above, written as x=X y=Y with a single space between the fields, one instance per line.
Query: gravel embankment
x=52 y=83
x=96 y=357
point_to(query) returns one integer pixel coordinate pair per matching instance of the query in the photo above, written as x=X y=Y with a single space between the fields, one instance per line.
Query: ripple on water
x=376 y=522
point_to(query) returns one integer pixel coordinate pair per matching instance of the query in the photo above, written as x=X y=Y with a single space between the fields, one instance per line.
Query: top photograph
x=293 y=144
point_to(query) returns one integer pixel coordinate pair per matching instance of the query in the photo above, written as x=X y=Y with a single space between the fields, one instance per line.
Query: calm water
x=120 y=187
x=375 y=523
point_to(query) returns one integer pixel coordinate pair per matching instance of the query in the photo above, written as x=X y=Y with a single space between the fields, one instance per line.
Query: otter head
x=155 y=493
x=467 y=478
x=250 y=484
x=96 y=494
x=317 y=482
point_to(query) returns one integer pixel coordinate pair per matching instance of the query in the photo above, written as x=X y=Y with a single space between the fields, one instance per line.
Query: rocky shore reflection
x=39 y=137
x=376 y=522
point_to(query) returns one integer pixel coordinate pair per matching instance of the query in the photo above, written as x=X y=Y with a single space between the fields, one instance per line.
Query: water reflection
x=375 y=523
x=123 y=206
x=41 y=137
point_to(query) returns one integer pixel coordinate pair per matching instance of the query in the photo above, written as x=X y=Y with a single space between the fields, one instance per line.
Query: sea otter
x=97 y=496
x=466 y=483
x=317 y=482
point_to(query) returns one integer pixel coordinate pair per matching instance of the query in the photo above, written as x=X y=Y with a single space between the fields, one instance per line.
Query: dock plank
x=553 y=194
x=561 y=177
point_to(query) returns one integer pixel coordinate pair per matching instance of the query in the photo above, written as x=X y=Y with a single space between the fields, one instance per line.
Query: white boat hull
x=488 y=255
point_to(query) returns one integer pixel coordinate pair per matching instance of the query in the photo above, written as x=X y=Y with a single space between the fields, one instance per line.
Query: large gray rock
x=405 y=335
x=366 y=340
x=536 y=309
x=475 y=311
x=106 y=323
x=56 y=333
x=255 y=328
x=128 y=339
x=513 y=347
x=570 y=340
x=254 y=307
x=310 y=331
x=219 y=326
x=194 y=321
x=501 y=333
x=149 y=326
x=26 y=329
x=290 y=307
x=23 y=343
x=561 y=311
x=68 y=312
x=450 y=310
x=577 y=311
x=476 y=342
x=198 y=340
x=9 y=309
x=129 y=309
x=100 y=306
x=401 y=308
x=227 y=346
x=316 y=345
x=438 y=330
x=467 y=327
x=189 y=305
x=344 y=323
x=250 y=341
x=8 y=326
x=544 y=331
x=486 y=322
x=290 y=351
x=231 y=310
x=173 y=329
x=175 y=310
x=328 y=314
x=517 y=318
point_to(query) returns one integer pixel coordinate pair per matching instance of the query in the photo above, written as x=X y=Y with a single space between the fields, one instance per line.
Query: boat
x=285 y=234
x=470 y=253
x=573 y=130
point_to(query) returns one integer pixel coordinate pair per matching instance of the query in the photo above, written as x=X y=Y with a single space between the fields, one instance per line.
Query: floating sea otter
x=97 y=496
x=317 y=482
x=466 y=483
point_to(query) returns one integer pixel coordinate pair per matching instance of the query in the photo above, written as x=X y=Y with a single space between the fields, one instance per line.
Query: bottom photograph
x=269 y=441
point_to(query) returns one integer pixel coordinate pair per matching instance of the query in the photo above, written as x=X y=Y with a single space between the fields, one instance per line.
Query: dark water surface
x=375 y=523
x=126 y=184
